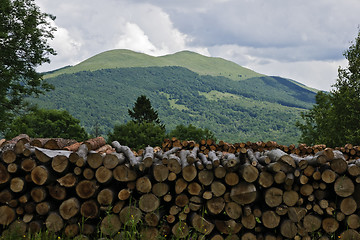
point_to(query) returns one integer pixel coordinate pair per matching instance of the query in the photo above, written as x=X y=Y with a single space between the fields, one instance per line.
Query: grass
x=200 y=64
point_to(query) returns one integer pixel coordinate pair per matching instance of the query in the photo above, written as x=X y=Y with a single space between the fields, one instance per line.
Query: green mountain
x=236 y=103
x=193 y=61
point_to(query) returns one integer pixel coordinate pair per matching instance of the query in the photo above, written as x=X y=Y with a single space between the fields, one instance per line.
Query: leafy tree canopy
x=143 y=112
x=138 y=135
x=191 y=132
x=24 y=35
x=44 y=123
x=335 y=118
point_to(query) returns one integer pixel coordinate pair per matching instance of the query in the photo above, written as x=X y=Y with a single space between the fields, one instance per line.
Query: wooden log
x=296 y=214
x=160 y=172
x=243 y=193
x=69 y=208
x=54 y=222
x=86 y=189
x=248 y=172
x=174 y=164
x=218 y=188
x=7 y=215
x=348 y=205
x=45 y=155
x=204 y=160
x=279 y=155
x=5 y=196
x=214 y=159
x=95 y=143
x=4 y=174
x=38 y=194
x=40 y=175
x=290 y=198
x=103 y=175
x=43 y=208
x=89 y=209
x=69 y=180
x=344 y=186
x=17 y=185
x=200 y=224
x=233 y=210
x=127 y=152
x=215 y=205
x=220 y=172
x=28 y=164
x=105 y=197
x=232 y=178
x=88 y=173
x=194 y=188
x=311 y=223
x=122 y=173
x=181 y=200
x=110 y=225
x=143 y=184
x=273 y=196
x=205 y=177
x=180 y=229
x=288 y=229
x=189 y=173
x=265 y=179
x=191 y=157
x=350 y=234
x=60 y=163
x=148 y=156
x=328 y=176
x=270 y=219
x=130 y=213
x=149 y=202
x=160 y=189
x=353 y=221
x=94 y=159
x=57 y=192
x=248 y=221
x=229 y=160
x=329 y=225
x=153 y=219
x=111 y=160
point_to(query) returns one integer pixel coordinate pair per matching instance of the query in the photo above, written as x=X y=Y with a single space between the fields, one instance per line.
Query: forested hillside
x=254 y=109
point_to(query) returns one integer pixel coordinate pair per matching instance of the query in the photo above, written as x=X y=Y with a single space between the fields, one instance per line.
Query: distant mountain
x=193 y=61
x=236 y=103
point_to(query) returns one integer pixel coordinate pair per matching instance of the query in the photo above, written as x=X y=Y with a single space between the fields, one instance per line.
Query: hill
x=195 y=62
x=248 y=109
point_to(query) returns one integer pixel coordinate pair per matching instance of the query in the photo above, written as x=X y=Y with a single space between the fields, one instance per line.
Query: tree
x=335 y=118
x=138 y=135
x=191 y=132
x=24 y=35
x=143 y=112
x=45 y=123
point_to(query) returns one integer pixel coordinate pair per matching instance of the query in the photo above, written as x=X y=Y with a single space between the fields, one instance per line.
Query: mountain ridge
x=124 y=58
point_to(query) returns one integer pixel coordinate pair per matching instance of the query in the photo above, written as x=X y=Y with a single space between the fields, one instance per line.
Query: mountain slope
x=195 y=62
x=259 y=108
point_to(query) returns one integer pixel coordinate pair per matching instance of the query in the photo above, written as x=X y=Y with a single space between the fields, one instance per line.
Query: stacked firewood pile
x=218 y=191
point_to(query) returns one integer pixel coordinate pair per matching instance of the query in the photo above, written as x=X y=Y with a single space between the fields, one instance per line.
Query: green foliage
x=24 y=32
x=138 y=135
x=44 y=123
x=144 y=112
x=191 y=132
x=335 y=118
x=255 y=109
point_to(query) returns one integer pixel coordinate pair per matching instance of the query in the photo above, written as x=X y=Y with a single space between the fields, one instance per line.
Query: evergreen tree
x=335 y=118
x=24 y=32
x=143 y=112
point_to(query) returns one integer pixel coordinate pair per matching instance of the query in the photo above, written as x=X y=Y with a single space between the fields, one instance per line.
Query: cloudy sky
x=299 y=39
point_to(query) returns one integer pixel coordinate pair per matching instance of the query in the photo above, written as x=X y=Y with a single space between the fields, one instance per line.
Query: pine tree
x=143 y=112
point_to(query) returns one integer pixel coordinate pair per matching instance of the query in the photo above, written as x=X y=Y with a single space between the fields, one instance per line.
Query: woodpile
x=220 y=191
